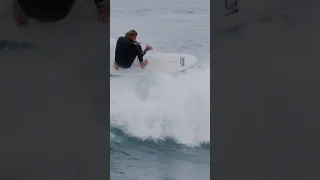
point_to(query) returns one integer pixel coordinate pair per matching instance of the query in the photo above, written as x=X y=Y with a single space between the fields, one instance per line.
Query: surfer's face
x=134 y=37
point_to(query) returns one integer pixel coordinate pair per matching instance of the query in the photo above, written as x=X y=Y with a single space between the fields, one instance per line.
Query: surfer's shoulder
x=121 y=38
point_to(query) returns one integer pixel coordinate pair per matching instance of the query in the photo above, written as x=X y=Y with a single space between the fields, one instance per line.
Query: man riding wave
x=127 y=49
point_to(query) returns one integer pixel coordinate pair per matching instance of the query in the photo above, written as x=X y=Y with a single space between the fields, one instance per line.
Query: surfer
x=127 y=49
x=52 y=10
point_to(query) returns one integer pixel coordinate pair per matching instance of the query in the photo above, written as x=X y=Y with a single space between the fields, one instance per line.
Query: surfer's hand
x=148 y=47
x=19 y=15
x=115 y=65
x=103 y=12
x=143 y=64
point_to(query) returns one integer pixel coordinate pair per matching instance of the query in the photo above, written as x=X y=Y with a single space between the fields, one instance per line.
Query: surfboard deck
x=159 y=63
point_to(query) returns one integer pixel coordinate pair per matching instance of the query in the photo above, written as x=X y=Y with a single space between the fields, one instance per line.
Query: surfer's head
x=132 y=34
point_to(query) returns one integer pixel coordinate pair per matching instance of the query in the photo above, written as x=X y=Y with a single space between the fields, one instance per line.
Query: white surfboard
x=158 y=63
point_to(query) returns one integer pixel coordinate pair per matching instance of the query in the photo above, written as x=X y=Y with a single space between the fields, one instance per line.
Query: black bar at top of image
x=54 y=96
x=264 y=91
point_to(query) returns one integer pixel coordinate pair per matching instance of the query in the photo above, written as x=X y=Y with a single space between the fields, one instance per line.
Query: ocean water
x=160 y=124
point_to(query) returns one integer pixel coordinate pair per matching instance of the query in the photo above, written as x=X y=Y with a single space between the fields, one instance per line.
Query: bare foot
x=19 y=15
x=116 y=66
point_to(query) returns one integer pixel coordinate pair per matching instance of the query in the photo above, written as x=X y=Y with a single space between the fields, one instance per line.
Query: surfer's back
x=125 y=52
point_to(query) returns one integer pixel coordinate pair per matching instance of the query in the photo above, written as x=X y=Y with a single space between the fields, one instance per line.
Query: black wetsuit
x=126 y=52
x=49 y=10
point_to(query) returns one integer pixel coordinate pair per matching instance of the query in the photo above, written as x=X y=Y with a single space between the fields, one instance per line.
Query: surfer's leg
x=120 y=64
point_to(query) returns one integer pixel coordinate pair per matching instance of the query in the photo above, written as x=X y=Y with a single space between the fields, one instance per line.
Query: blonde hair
x=131 y=32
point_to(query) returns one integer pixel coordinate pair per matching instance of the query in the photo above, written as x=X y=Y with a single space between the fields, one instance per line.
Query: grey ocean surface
x=161 y=130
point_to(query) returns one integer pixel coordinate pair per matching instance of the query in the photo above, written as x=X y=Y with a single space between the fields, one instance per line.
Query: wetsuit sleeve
x=145 y=51
x=140 y=53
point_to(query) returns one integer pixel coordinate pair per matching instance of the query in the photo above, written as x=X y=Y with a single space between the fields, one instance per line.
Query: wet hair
x=132 y=32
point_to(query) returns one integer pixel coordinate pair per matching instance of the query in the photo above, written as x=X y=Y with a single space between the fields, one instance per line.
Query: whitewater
x=163 y=106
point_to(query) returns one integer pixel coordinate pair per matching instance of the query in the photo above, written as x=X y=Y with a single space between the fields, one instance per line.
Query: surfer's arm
x=140 y=53
x=145 y=51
